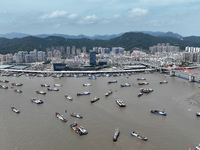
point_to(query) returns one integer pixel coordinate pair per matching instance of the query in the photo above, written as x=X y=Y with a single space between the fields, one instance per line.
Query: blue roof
x=5 y=66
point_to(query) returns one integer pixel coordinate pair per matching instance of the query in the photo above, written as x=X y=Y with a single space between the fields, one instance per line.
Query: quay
x=76 y=72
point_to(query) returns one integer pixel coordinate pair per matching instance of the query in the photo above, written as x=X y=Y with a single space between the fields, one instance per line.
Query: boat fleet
x=81 y=130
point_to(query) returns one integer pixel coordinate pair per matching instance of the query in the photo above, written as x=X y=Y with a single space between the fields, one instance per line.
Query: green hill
x=127 y=40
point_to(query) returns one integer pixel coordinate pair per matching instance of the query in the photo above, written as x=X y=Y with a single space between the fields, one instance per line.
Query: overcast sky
x=91 y=17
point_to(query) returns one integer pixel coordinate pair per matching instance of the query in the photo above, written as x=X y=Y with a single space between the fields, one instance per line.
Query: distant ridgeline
x=127 y=40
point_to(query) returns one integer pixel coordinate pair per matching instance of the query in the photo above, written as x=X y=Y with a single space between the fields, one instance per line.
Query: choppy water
x=37 y=128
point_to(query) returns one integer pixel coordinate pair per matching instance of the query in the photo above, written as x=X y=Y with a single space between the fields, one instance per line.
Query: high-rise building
x=41 y=55
x=92 y=57
x=73 y=50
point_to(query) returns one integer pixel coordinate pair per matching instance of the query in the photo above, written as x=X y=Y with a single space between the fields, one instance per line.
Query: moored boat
x=116 y=134
x=68 y=97
x=37 y=101
x=137 y=135
x=142 y=90
x=4 y=81
x=141 y=79
x=15 y=110
x=143 y=83
x=197 y=147
x=41 y=92
x=3 y=86
x=78 y=129
x=92 y=78
x=120 y=102
x=158 y=112
x=45 y=85
x=61 y=117
x=16 y=84
x=163 y=82
x=76 y=115
x=58 y=85
x=140 y=94
x=17 y=91
x=52 y=89
x=113 y=81
x=125 y=85
x=198 y=114
x=84 y=93
x=95 y=99
x=109 y=92
x=87 y=84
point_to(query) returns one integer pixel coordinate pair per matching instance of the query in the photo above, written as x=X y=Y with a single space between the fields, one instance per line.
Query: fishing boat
x=109 y=93
x=142 y=90
x=61 y=117
x=141 y=79
x=113 y=81
x=158 y=112
x=140 y=94
x=16 y=84
x=87 y=84
x=84 y=93
x=120 y=102
x=41 y=92
x=92 y=78
x=52 y=89
x=37 y=101
x=15 y=110
x=116 y=134
x=198 y=114
x=3 y=86
x=78 y=129
x=137 y=135
x=125 y=85
x=197 y=147
x=17 y=91
x=76 y=115
x=143 y=83
x=95 y=99
x=68 y=97
x=45 y=85
x=58 y=85
x=163 y=82
x=4 y=81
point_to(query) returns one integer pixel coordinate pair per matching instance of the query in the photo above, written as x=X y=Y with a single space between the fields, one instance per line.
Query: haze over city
x=91 y=17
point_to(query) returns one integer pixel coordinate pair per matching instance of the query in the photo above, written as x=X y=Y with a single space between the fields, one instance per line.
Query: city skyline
x=99 y=17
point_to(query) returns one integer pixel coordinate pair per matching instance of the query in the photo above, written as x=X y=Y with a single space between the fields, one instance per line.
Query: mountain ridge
x=13 y=35
x=127 y=40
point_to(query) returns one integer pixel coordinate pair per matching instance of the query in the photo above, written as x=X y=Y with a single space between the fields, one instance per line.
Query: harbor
x=37 y=127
